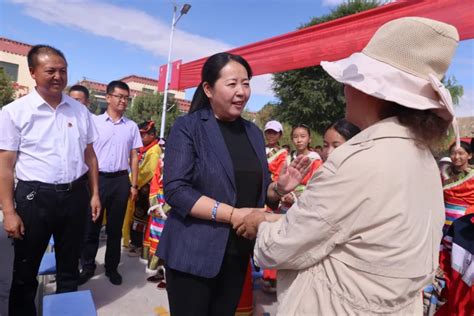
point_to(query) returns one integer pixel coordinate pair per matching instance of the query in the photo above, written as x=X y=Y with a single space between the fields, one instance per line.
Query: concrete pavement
x=134 y=297
x=6 y=264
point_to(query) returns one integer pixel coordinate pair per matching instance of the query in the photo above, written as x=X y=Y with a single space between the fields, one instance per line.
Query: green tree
x=93 y=102
x=309 y=95
x=7 y=92
x=456 y=90
x=246 y=114
x=265 y=114
x=149 y=107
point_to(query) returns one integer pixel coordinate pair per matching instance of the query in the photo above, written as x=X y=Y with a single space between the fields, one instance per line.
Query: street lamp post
x=184 y=9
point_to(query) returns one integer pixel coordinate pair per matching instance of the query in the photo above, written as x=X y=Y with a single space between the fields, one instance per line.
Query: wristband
x=278 y=192
x=214 y=211
x=135 y=186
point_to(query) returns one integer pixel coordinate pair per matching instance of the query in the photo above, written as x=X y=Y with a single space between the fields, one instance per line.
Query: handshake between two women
x=247 y=220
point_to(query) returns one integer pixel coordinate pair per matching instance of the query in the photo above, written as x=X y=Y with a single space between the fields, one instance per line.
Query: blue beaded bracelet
x=214 y=211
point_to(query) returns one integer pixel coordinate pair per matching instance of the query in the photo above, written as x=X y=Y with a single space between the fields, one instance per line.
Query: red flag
x=162 y=78
x=175 y=68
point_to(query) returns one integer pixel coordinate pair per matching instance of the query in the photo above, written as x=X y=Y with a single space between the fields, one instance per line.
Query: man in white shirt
x=46 y=138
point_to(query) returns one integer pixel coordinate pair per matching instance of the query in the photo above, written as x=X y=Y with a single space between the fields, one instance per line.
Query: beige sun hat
x=404 y=63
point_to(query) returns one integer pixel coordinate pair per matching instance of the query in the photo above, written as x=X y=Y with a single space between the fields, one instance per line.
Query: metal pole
x=165 y=98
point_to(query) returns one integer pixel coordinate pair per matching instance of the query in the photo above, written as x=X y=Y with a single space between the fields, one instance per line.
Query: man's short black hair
x=37 y=50
x=80 y=88
x=117 y=84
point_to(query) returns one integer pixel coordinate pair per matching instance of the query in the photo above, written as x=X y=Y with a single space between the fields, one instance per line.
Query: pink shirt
x=116 y=140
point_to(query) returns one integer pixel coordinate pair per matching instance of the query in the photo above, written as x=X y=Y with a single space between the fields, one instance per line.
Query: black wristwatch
x=135 y=186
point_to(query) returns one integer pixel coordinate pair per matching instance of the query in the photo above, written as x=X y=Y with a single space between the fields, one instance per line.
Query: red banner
x=336 y=39
x=162 y=78
x=174 y=82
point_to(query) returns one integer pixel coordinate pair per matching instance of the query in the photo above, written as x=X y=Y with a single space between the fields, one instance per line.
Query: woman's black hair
x=464 y=145
x=210 y=73
x=306 y=127
x=301 y=125
x=345 y=128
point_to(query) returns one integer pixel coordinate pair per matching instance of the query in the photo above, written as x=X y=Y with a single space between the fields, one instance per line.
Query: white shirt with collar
x=50 y=143
x=116 y=140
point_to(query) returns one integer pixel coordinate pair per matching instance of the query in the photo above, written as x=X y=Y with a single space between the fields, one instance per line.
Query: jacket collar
x=205 y=114
x=387 y=128
x=218 y=145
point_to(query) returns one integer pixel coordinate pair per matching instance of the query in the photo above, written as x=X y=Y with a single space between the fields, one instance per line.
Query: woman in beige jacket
x=363 y=239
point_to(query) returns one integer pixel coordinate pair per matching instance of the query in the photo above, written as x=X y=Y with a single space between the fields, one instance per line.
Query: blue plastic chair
x=78 y=303
x=47 y=268
x=256 y=275
x=48 y=264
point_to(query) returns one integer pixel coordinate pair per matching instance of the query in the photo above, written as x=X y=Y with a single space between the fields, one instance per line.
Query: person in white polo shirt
x=46 y=138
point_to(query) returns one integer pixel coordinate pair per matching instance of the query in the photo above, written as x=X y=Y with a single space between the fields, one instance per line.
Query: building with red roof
x=138 y=86
x=13 y=62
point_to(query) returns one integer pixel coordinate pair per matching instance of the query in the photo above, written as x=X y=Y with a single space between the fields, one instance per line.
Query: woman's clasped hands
x=246 y=220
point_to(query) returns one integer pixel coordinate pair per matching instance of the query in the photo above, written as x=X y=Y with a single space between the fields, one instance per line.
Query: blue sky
x=105 y=40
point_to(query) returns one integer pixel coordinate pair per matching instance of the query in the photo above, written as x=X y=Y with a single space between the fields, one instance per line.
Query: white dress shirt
x=116 y=140
x=50 y=143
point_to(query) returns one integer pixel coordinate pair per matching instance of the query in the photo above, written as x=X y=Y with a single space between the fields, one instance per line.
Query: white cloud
x=466 y=104
x=133 y=27
x=124 y=24
x=262 y=85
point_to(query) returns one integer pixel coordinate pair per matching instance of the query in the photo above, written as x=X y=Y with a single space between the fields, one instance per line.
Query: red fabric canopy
x=335 y=39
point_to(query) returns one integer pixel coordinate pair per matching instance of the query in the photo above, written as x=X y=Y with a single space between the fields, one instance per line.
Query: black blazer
x=198 y=163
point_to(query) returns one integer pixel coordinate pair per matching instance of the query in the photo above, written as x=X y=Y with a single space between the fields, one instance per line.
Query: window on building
x=171 y=99
x=148 y=91
x=10 y=69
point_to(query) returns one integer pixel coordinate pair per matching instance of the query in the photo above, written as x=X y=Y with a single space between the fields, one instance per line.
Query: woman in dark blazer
x=215 y=173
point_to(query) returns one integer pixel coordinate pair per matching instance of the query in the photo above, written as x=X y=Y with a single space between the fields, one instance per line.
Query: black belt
x=113 y=174
x=58 y=187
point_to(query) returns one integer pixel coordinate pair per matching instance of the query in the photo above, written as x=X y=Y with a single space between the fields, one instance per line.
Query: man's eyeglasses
x=122 y=97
